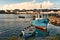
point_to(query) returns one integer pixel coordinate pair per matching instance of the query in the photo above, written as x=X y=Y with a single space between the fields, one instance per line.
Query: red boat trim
x=41 y=28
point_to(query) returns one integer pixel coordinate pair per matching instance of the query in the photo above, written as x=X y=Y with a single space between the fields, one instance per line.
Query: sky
x=29 y=4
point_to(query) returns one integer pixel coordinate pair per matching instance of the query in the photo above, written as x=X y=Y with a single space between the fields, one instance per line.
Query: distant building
x=32 y=11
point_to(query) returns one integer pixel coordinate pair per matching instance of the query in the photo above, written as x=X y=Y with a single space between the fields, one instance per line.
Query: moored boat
x=41 y=26
x=28 y=32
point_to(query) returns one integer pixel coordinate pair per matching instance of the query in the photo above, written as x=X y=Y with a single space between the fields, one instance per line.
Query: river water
x=10 y=25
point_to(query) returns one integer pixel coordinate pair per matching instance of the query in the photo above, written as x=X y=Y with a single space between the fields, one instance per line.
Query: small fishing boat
x=21 y=17
x=28 y=32
x=41 y=26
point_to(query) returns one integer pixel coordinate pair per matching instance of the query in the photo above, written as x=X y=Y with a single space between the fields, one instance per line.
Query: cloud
x=47 y=4
x=28 y=5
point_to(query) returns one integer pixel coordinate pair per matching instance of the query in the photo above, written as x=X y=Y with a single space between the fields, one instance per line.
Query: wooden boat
x=41 y=26
x=21 y=17
x=28 y=32
x=55 y=22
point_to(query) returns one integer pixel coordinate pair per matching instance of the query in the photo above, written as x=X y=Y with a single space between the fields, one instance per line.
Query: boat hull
x=29 y=35
x=29 y=32
x=41 y=27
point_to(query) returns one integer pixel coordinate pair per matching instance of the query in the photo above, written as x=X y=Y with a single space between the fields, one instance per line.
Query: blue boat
x=40 y=22
x=41 y=27
x=28 y=32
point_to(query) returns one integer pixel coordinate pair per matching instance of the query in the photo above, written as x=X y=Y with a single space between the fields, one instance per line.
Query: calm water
x=10 y=25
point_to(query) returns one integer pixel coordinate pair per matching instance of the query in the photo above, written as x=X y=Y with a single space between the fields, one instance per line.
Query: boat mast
x=40 y=11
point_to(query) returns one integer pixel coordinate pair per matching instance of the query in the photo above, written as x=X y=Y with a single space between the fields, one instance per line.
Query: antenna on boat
x=40 y=10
